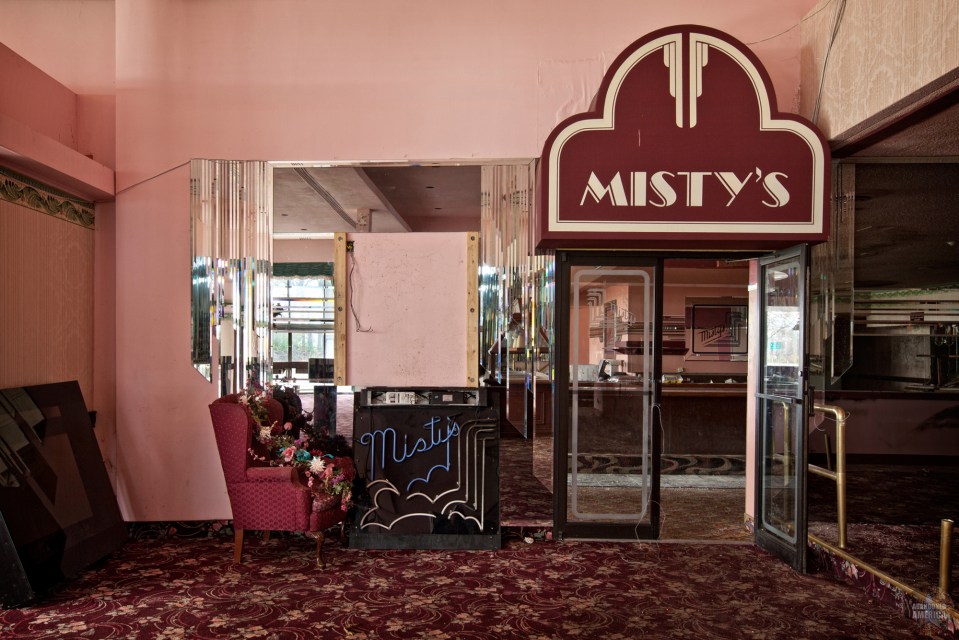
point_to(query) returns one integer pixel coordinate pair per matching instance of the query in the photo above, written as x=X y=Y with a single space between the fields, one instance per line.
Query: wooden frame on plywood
x=339 y=311
x=472 y=308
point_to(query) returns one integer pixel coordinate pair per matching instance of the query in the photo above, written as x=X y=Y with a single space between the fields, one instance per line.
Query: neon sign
x=387 y=440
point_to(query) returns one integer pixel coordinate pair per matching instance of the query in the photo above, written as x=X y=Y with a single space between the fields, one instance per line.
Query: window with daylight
x=302 y=329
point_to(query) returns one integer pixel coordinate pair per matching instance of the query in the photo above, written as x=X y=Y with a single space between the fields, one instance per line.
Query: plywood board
x=407 y=310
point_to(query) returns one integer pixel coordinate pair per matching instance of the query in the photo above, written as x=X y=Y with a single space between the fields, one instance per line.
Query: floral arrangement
x=326 y=463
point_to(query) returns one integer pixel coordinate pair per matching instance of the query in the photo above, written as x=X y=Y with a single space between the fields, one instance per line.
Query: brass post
x=840 y=474
x=945 y=557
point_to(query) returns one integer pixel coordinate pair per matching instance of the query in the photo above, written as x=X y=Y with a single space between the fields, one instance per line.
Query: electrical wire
x=356 y=319
x=137 y=184
x=832 y=39
x=823 y=8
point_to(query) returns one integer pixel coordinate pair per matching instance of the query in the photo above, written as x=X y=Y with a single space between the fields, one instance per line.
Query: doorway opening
x=651 y=418
x=703 y=401
x=302 y=339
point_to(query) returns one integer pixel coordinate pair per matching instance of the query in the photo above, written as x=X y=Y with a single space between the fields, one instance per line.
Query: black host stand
x=427 y=464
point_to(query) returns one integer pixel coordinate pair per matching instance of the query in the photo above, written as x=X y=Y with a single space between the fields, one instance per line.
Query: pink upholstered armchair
x=265 y=498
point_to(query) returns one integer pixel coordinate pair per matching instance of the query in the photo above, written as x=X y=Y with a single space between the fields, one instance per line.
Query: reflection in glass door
x=605 y=438
x=780 y=491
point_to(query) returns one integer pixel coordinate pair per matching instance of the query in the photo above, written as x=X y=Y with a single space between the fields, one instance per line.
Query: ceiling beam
x=382 y=198
x=312 y=182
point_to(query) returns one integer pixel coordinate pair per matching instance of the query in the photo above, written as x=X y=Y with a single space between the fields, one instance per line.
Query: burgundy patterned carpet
x=524 y=500
x=190 y=588
x=893 y=514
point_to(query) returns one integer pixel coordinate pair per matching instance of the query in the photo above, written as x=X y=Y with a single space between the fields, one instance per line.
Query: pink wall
x=685 y=282
x=72 y=45
x=50 y=134
x=167 y=465
x=36 y=100
x=381 y=80
x=71 y=41
x=293 y=80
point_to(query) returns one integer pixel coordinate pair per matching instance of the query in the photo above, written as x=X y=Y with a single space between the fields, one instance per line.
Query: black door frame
x=561 y=395
x=793 y=554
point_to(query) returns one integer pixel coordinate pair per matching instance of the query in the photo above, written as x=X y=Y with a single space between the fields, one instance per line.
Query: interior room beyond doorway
x=703 y=400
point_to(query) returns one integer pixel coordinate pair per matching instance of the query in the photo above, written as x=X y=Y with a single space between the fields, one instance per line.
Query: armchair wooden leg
x=319 y=549
x=237 y=545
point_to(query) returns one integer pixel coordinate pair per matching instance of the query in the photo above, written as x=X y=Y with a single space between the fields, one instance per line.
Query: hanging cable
x=832 y=39
x=356 y=319
x=823 y=8
x=137 y=184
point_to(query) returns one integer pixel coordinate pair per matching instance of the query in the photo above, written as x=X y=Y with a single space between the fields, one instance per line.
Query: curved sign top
x=684 y=149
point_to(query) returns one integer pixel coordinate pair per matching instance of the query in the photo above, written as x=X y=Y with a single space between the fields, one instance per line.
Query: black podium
x=428 y=467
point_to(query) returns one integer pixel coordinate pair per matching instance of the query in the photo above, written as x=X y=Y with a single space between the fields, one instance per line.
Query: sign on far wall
x=686 y=149
x=718 y=328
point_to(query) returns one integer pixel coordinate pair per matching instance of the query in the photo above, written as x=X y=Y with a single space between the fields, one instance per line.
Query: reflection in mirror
x=201 y=296
x=831 y=288
x=232 y=262
x=516 y=293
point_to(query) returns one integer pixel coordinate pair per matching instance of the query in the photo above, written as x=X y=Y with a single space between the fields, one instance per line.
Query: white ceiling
x=315 y=199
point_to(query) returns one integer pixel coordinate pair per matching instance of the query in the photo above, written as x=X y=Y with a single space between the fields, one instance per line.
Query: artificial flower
x=324 y=462
x=317 y=465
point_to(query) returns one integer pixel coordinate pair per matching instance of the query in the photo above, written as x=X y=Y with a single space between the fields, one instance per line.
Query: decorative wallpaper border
x=39 y=197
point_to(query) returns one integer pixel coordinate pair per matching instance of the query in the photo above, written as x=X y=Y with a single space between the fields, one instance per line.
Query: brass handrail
x=839 y=475
x=945 y=557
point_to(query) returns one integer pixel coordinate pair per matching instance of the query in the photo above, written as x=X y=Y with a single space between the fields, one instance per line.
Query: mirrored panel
x=831 y=305
x=516 y=298
x=232 y=223
x=202 y=300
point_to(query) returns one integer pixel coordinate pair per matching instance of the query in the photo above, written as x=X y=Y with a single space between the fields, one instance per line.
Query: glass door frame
x=561 y=396
x=793 y=553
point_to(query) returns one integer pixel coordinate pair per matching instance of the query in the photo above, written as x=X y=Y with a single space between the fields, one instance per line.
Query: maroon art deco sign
x=684 y=148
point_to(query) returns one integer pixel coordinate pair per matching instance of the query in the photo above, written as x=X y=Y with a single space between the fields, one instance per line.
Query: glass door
x=606 y=447
x=780 y=508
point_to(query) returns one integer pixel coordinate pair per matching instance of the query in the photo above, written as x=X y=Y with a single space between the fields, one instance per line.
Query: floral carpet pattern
x=893 y=514
x=524 y=500
x=190 y=588
x=893 y=524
